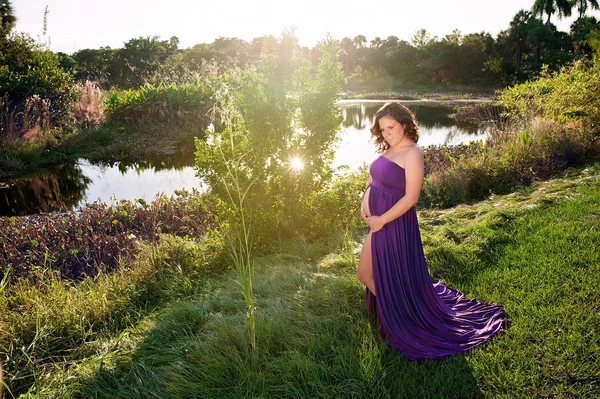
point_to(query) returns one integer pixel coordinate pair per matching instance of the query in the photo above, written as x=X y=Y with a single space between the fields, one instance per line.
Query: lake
x=72 y=185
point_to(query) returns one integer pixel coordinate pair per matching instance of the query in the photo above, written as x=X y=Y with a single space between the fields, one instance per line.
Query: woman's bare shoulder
x=414 y=152
x=415 y=148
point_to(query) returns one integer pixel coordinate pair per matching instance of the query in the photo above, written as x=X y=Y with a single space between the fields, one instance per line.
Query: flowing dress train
x=420 y=318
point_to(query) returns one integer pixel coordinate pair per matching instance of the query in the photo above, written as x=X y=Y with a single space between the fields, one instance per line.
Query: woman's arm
x=414 y=172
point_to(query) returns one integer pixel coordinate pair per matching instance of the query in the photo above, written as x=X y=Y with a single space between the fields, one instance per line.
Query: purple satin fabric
x=420 y=318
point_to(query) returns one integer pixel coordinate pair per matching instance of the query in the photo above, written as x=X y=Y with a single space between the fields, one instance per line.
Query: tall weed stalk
x=240 y=238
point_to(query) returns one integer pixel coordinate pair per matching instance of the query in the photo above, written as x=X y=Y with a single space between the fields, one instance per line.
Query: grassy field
x=535 y=251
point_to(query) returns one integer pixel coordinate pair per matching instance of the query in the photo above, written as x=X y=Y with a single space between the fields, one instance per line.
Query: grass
x=116 y=142
x=536 y=251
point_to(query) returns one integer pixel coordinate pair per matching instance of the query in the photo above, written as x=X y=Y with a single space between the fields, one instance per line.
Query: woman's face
x=391 y=129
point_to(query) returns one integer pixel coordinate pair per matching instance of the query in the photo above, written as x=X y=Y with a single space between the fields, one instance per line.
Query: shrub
x=79 y=244
x=279 y=123
x=336 y=206
x=162 y=103
x=543 y=126
x=29 y=71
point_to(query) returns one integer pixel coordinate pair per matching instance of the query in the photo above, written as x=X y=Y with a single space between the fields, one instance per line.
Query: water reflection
x=435 y=124
x=54 y=189
x=430 y=116
x=74 y=184
x=138 y=180
x=177 y=161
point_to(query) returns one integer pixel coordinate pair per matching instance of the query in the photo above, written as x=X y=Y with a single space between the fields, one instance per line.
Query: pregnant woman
x=420 y=318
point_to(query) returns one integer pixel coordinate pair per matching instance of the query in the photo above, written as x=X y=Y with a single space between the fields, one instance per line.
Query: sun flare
x=296 y=164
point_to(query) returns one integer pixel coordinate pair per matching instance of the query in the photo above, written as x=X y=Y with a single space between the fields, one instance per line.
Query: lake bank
x=391 y=91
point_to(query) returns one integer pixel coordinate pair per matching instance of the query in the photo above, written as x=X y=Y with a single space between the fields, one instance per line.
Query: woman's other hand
x=376 y=223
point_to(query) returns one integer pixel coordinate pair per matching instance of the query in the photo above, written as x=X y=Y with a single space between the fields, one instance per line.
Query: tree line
x=516 y=54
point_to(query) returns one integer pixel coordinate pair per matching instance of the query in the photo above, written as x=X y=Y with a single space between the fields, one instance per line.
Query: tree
x=232 y=49
x=538 y=36
x=7 y=18
x=593 y=40
x=30 y=72
x=455 y=37
x=579 y=31
x=517 y=35
x=360 y=41
x=421 y=39
x=582 y=6
x=348 y=55
x=549 y=7
x=376 y=43
x=272 y=114
x=95 y=65
x=141 y=57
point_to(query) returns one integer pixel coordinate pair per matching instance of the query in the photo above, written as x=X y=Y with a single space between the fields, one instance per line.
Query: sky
x=78 y=24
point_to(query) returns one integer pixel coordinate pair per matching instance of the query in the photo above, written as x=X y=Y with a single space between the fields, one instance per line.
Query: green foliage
x=593 y=40
x=571 y=92
x=549 y=7
x=26 y=70
x=336 y=206
x=161 y=104
x=544 y=125
x=128 y=67
x=7 y=18
x=274 y=114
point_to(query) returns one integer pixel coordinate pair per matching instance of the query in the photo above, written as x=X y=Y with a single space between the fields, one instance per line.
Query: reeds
x=88 y=111
x=32 y=122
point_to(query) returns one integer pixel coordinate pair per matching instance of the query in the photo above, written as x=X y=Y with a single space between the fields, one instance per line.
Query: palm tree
x=376 y=43
x=7 y=17
x=582 y=6
x=549 y=7
x=360 y=41
x=517 y=34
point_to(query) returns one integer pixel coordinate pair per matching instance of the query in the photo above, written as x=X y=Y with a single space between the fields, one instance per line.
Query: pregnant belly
x=365 y=201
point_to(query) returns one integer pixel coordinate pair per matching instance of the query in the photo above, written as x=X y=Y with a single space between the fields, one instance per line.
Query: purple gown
x=420 y=318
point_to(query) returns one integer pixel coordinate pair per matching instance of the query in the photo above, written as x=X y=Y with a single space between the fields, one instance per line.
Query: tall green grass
x=161 y=103
x=535 y=251
x=48 y=324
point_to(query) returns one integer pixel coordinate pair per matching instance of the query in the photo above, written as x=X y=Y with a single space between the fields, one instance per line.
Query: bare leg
x=365 y=265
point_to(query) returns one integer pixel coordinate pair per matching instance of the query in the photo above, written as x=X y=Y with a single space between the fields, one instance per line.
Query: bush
x=543 y=127
x=337 y=206
x=163 y=104
x=27 y=70
x=572 y=94
x=274 y=149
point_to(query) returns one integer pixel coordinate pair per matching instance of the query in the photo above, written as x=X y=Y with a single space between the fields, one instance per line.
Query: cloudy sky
x=79 y=24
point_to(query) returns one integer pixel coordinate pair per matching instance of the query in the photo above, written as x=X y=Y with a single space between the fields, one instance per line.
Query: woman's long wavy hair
x=401 y=114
